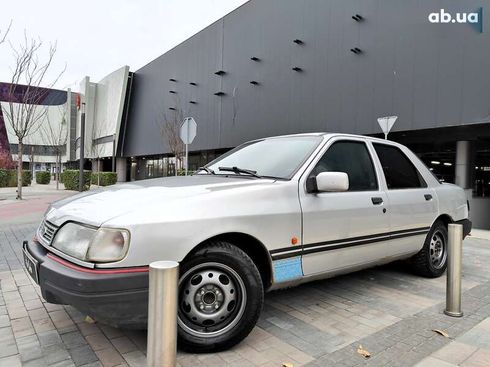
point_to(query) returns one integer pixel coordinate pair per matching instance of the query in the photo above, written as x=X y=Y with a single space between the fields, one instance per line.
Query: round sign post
x=188 y=131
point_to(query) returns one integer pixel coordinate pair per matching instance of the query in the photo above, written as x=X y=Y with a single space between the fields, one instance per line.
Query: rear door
x=413 y=205
x=344 y=229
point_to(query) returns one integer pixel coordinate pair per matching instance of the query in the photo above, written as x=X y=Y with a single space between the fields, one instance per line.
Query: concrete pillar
x=463 y=164
x=121 y=168
x=97 y=165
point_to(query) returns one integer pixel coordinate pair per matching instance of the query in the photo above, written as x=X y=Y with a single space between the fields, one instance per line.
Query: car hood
x=95 y=207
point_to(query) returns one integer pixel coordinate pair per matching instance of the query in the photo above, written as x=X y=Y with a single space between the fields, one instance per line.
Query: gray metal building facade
x=276 y=67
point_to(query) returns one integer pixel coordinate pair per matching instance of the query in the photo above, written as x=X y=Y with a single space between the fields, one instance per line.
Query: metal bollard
x=162 y=314
x=454 y=267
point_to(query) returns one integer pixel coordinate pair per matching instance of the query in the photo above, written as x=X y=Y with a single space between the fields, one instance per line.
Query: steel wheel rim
x=437 y=250
x=212 y=299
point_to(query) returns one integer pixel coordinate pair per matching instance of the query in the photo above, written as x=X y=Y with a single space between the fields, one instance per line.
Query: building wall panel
x=430 y=75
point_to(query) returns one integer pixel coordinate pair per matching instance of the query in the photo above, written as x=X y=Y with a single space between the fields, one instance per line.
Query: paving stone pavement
x=387 y=310
x=472 y=349
x=36 y=198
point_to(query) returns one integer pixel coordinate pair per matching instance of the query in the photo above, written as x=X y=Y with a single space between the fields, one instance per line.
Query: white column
x=121 y=169
x=463 y=164
x=96 y=165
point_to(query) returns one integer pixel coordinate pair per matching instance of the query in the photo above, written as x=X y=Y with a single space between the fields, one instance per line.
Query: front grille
x=47 y=231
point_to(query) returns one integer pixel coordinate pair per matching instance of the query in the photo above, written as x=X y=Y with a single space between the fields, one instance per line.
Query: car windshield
x=275 y=157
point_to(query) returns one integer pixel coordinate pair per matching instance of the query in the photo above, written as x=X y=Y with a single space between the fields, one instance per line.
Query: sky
x=96 y=37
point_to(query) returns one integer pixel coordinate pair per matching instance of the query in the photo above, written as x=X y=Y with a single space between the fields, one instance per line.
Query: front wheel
x=220 y=298
x=431 y=261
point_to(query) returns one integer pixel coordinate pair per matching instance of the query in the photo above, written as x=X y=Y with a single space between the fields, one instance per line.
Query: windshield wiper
x=208 y=170
x=239 y=171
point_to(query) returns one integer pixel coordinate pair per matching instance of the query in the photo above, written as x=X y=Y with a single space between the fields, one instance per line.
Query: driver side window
x=353 y=158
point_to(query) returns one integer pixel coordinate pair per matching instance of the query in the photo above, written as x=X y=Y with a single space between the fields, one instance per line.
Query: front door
x=344 y=229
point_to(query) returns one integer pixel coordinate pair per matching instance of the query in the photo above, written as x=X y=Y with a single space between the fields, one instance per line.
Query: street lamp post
x=82 y=148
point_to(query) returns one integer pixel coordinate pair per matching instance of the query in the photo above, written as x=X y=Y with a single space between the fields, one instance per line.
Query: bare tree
x=171 y=129
x=55 y=135
x=5 y=157
x=28 y=88
x=3 y=35
x=169 y=126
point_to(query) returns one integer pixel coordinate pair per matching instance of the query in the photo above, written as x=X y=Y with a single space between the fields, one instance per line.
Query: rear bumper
x=467 y=225
x=117 y=297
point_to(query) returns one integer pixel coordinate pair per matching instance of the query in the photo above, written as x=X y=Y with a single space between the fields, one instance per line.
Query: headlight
x=108 y=245
x=88 y=244
x=74 y=240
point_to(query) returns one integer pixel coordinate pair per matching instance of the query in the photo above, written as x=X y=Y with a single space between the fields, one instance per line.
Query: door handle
x=428 y=197
x=377 y=201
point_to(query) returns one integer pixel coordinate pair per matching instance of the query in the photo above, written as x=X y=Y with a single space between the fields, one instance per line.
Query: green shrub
x=43 y=177
x=4 y=177
x=8 y=177
x=70 y=178
x=181 y=172
x=26 y=177
x=12 y=178
x=106 y=178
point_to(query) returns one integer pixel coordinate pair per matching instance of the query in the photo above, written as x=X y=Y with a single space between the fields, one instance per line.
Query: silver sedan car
x=269 y=214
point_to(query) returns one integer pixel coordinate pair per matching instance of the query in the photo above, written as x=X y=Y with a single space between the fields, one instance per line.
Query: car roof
x=332 y=135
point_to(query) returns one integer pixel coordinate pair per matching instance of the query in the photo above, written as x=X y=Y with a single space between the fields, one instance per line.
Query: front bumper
x=118 y=297
x=467 y=225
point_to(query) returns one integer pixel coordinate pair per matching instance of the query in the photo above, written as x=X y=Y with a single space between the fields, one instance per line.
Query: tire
x=220 y=298
x=431 y=261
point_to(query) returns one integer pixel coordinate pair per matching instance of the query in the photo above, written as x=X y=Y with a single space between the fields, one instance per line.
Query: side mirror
x=328 y=182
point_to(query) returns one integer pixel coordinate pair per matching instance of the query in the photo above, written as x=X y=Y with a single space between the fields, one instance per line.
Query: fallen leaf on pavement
x=441 y=332
x=287 y=365
x=363 y=352
x=89 y=320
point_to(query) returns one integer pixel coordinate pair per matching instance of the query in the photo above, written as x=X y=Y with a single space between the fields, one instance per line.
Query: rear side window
x=353 y=158
x=400 y=173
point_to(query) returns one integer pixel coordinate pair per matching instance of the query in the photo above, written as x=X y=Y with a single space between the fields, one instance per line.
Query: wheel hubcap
x=211 y=300
x=437 y=250
x=208 y=298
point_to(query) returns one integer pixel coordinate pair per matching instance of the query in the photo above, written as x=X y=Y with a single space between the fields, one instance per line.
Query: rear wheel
x=220 y=298
x=431 y=261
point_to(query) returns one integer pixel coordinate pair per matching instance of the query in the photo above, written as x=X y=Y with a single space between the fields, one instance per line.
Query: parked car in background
x=269 y=214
